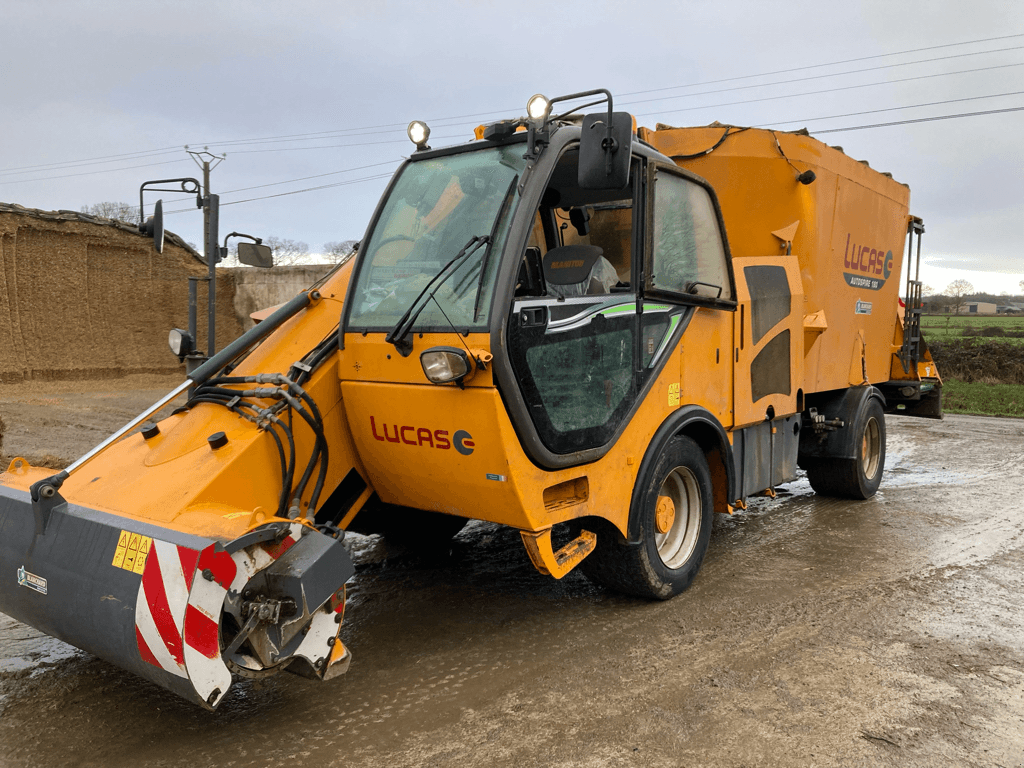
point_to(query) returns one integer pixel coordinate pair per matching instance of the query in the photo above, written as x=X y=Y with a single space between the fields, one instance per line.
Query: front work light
x=181 y=343
x=419 y=132
x=538 y=108
x=446 y=365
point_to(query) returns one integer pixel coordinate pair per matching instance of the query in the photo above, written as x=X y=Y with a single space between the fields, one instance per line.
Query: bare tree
x=287 y=252
x=125 y=212
x=338 y=250
x=958 y=291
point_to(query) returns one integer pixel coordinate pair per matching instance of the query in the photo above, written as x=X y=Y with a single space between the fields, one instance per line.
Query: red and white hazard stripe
x=160 y=609
x=177 y=614
x=178 y=611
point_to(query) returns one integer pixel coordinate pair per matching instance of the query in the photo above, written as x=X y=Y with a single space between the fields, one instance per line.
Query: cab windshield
x=435 y=208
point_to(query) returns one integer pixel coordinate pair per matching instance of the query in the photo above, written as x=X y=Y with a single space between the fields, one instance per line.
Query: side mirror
x=604 y=154
x=255 y=255
x=154 y=226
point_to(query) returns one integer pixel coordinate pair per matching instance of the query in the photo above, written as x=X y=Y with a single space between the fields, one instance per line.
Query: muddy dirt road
x=819 y=633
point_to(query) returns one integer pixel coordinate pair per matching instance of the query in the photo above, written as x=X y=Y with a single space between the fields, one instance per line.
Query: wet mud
x=819 y=633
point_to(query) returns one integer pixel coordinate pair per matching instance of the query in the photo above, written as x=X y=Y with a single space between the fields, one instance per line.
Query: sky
x=308 y=101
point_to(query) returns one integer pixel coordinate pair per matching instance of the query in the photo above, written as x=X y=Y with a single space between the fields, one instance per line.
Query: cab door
x=575 y=350
x=575 y=360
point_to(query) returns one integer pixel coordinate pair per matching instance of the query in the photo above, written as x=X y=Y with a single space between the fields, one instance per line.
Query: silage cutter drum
x=180 y=610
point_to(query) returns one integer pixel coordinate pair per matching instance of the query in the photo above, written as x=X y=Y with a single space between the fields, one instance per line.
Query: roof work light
x=538 y=108
x=419 y=132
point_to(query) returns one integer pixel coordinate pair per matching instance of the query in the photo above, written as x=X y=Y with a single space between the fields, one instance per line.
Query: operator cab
x=541 y=240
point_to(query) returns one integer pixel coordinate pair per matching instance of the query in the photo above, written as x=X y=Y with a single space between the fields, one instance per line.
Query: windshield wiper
x=397 y=334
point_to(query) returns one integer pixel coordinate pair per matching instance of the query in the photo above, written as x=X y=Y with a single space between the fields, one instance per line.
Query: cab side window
x=688 y=256
x=609 y=226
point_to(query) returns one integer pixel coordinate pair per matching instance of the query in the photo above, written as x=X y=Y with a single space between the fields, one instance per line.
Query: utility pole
x=208 y=161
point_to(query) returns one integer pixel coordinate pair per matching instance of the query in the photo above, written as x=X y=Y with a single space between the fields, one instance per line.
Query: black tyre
x=672 y=514
x=859 y=477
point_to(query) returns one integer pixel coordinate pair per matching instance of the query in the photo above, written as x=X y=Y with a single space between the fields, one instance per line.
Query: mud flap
x=836 y=443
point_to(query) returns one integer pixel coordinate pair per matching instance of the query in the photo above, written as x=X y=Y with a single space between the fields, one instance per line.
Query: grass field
x=948 y=327
x=983 y=399
x=981 y=361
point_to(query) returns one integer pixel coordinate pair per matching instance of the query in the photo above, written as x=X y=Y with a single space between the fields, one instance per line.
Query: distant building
x=1011 y=308
x=980 y=308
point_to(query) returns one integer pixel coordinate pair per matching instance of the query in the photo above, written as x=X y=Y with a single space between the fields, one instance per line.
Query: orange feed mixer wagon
x=567 y=320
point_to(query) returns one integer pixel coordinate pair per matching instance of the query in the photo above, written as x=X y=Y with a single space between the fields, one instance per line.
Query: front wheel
x=672 y=512
x=859 y=477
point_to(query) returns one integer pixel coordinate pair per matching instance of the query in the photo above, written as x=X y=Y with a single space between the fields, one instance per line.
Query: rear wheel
x=672 y=514
x=859 y=477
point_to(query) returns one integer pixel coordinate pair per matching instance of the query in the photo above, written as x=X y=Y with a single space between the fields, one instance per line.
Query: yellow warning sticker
x=673 y=394
x=132 y=551
x=140 y=562
x=122 y=545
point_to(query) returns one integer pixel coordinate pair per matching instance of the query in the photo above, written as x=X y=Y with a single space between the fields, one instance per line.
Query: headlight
x=445 y=365
x=419 y=132
x=538 y=107
x=181 y=343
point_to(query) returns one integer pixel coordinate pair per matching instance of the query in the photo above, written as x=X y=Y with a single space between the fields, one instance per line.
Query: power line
x=924 y=120
x=313 y=189
x=90 y=173
x=782 y=122
x=710 y=106
x=348 y=132
x=746 y=101
x=703 y=93
x=723 y=80
x=396 y=126
x=91 y=160
x=831 y=130
x=805 y=120
x=293 y=192
x=317 y=176
x=660 y=112
x=831 y=64
x=820 y=77
x=333 y=146
x=301 y=178
x=829 y=90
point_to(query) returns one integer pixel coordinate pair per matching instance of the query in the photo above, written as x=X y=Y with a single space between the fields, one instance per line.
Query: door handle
x=532 y=317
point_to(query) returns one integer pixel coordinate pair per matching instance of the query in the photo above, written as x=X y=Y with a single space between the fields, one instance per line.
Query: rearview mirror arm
x=188 y=185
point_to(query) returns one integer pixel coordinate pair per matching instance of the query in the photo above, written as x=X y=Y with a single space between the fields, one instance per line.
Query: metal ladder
x=910 y=352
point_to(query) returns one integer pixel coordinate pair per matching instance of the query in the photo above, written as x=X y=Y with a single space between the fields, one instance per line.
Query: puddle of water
x=25 y=648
